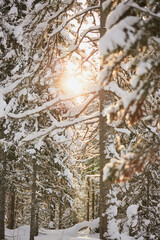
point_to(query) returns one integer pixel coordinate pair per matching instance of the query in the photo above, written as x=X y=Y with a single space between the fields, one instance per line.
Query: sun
x=72 y=85
x=72 y=80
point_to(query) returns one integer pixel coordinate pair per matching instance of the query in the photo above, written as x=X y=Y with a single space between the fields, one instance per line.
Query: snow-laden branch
x=77 y=110
x=58 y=125
x=145 y=10
x=84 y=11
x=91 y=90
x=73 y=48
x=115 y=15
x=6 y=90
x=35 y=110
x=54 y=16
x=12 y=86
x=64 y=24
x=117 y=36
x=113 y=87
x=60 y=11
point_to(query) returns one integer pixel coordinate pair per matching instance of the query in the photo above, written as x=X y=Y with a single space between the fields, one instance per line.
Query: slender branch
x=64 y=124
x=49 y=104
x=145 y=10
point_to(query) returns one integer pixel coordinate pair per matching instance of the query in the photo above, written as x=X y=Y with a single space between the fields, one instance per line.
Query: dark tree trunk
x=36 y=224
x=148 y=205
x=52 y=210
x=2 y=186
x=2 y=196
x=60 y=208
x=60 y=215
x=104 y=131
x=16 y=211
x=33 y=202
x=106 y=138
x=11 y=209
x=2 y=210
x=93 y=200
x=97 y=205
x=88 y=198
x=103 y=192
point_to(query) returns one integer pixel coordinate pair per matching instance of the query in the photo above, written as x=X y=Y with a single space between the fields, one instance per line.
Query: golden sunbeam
x=72 y=80
x=72 y=85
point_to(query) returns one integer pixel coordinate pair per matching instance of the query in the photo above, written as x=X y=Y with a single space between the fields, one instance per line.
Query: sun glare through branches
x=72 y=80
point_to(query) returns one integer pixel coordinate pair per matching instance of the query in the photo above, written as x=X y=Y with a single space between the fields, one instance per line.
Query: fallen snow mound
x=76 y=228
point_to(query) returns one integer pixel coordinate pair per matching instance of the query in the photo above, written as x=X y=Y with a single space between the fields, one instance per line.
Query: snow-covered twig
x=63 y=124
x=145 y=10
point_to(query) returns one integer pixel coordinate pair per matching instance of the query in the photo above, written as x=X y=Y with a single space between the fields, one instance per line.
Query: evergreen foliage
x=133 y=207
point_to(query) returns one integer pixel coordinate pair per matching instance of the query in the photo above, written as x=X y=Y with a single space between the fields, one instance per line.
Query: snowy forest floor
x=22 y=233
x=77 y=232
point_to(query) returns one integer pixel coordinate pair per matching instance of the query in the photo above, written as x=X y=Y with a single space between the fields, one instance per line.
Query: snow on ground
x=73 y=233
x=77 y=232
x=22 y=233
x=64 y=235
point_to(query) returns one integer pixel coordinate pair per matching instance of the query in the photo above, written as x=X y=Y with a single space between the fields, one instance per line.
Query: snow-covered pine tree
x=40 y=39
x=133 y=206
x=132 y=72
x=144 y=192
x=26 y=60
x=9 y=18
x=135 y=51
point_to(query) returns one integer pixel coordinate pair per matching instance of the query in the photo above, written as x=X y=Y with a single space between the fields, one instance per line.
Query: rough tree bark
x=11 y=209
x=2 y=194
x=2 y=185
x=93 y=200
x=103 y=219
x=60 y=209
x=104 y=135
x=148 y=206
x=102 y=127
x=88 y=198
x=52 y=210
x=33 y=202
x=60 y=214
x=36 y=221
x=97 y=205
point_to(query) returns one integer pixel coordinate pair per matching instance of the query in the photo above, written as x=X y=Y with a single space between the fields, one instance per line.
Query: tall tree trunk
x=97 y=205
x=104 y=133
x=11 y=209
x=148 y=204
x=88 y=198
x=60 y=214
x=33 y=202
x=16 y=211
x=2 y=186
x=36 y=222
x=93 y=199
x=103 y=192
x=60 y=208
x=52 y=211
x=2 y=194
